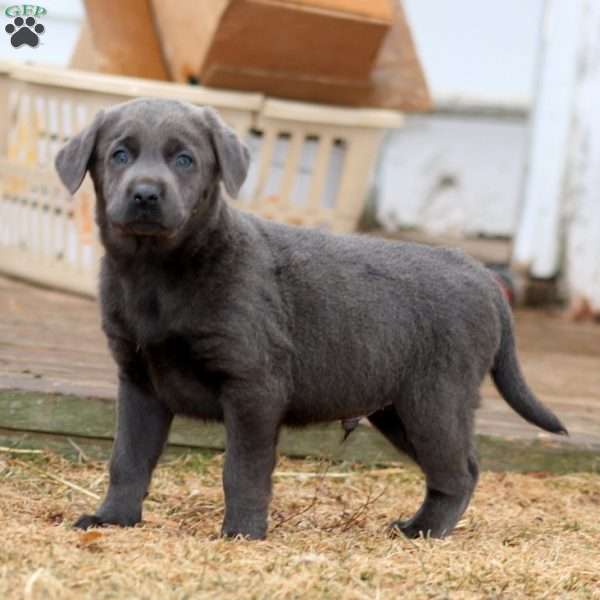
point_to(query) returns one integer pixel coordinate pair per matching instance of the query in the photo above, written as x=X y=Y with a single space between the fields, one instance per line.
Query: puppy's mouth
x=145 y=228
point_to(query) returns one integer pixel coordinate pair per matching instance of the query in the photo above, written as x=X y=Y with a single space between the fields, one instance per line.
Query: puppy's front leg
x=249 y=463
x=143 y=424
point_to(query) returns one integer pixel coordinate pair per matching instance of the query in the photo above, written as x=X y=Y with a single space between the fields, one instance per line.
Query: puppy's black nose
x=146 y=194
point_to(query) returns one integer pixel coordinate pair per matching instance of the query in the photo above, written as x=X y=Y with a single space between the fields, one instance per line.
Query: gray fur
x=218 y=314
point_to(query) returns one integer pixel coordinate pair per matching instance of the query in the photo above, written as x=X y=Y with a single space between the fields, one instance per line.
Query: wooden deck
x=51 y=342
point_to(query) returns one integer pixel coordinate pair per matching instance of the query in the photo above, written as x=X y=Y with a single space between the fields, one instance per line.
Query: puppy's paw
x=87 y=521
x=250 y=528
x=247 y=522
x=412 y=530
x=245 y=533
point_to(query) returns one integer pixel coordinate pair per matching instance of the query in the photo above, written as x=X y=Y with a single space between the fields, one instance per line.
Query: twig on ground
x=345 y=524
x=312 y=503
x=70 y=484
x=20 y=450
x=82 y=455
x=311 y=475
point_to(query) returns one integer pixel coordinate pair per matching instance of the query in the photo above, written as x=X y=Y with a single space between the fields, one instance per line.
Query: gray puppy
x=217 y=314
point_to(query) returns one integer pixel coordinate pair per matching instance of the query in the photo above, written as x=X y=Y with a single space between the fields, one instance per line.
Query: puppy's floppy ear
x=232 y=155
x=72 y=160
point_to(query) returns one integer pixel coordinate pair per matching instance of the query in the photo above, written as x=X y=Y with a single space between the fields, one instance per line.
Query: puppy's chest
x=148 y=318
x=185 y=381
x=180 y=371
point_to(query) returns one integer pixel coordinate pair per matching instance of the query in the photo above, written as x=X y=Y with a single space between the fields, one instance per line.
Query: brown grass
x=524 y=536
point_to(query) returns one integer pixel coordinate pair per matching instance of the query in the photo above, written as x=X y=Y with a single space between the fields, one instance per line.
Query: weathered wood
x=487 y=250
x=94 y=448
x=538 y=244
x=124 y=39
x=498 y=454
x=85 y=425
x=94 y=418
x=398 y=80
x=582 y=250
x=85 y=56
x=185 y=32
x=75 y=447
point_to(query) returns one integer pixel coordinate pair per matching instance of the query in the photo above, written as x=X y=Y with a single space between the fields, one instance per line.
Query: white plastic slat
x=299 y=174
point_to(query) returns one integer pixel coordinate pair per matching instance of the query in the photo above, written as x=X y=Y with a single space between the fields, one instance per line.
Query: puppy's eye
x=121 y=157
x=184 y=161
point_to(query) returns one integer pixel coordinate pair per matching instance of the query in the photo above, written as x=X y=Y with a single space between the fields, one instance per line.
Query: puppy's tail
x=510 y=382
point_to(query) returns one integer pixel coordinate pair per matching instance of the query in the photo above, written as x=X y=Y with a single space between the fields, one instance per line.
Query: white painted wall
x=453 y=175
x=480 y=58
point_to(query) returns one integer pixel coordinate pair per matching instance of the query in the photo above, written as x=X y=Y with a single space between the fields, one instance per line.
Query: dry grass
x=525 y=536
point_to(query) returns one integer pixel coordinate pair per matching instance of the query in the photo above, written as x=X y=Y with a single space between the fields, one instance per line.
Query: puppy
x=214 y=313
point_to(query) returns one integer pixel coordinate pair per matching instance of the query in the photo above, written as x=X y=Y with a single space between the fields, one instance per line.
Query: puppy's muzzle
x=144 y=214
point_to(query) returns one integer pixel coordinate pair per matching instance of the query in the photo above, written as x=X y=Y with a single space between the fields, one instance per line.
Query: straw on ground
x=524 y=536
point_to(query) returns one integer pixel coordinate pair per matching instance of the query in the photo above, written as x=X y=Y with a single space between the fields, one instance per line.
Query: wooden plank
x=93 y=448
x=498 y=454
x=538 y=243
x=317 y=46
x=186 y=32
x=333 y=57
x=583 y=174
x=91 y=423
x=398 y=80
x=57 y=414
x=487 y=250
x=94 y=418
x=375 y=10
x=125 y=39
x=76 y=447
x=85 y=56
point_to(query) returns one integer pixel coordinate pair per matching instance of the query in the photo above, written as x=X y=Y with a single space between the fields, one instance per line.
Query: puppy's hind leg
x=437 y=431
x=388 y=423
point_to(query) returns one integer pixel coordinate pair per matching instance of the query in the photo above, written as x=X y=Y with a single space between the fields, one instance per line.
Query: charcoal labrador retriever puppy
x=217 y=314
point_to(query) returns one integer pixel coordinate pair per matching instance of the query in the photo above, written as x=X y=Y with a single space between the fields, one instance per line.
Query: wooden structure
x=341 y=52
x=119 y=38
x=559 y=230
x=311 y=165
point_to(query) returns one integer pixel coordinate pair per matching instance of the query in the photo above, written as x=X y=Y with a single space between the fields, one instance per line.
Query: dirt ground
x=524 y=536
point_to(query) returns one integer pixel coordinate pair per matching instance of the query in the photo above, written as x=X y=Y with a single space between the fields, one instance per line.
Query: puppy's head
x=155 y=164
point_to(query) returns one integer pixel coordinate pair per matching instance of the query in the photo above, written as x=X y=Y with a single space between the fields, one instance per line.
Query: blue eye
x=184 y=161
x=121 y=157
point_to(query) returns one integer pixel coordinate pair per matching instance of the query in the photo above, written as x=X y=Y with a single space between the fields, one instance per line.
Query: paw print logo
x=24 y=31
